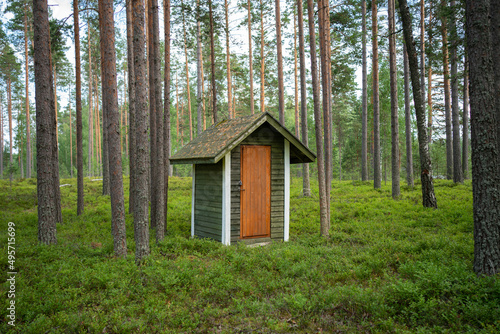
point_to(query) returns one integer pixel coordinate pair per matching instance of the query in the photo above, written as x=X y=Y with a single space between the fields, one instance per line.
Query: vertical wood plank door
x=255 y=191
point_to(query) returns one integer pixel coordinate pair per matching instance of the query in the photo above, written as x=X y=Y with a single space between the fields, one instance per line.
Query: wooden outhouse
x=241 y=179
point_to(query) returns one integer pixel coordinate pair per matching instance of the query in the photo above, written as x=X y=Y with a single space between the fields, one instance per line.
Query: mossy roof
x=213 y=144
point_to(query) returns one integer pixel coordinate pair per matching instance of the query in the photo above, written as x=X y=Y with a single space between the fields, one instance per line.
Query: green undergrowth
x=388 y=266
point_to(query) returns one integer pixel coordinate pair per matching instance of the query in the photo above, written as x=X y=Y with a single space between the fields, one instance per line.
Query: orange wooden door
x=255 y=199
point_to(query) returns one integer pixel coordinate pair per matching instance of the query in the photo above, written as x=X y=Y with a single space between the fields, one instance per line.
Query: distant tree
x=212 y=62
x=199 y=75
x=377 y=174
x=465 y=120
x=455 y=114
x=428 y=196
x=364 y=99
x=250 y=61
x=306 y=184
x=228 y=64
x=484 y=141
x=279 y=55
x=110 y=109
x=46 y=151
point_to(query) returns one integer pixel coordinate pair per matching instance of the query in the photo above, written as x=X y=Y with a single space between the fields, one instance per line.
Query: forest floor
x=389 y=266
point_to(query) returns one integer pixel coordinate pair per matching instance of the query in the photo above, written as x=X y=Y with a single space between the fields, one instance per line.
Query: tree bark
x=408 y=127
x=250 y=59
x=199 y=64
x=422 y=47
x=79 y=126
x=447 y=102
x=295 y=76
x=9 y=112
x=306 y=183
x=159 y=183
x=166 y=113
x=141 y=230
x=485 y=154
x=152 y=111
x=395 y=174
x=281 y=88
x=47 y=160
x=428 y=196
x=228 y=66
x=187 y=74
x=364 y=99
x=324 y=217
x=465 y=122
x=495 y=47
x=70 y=142
x=131 y=106
x=212 y=53
x=110 y=109
x=28 y=125
x=429 y=84
x=377 y=174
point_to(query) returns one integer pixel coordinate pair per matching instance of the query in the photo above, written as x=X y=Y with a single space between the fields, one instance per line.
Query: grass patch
x=388 y=266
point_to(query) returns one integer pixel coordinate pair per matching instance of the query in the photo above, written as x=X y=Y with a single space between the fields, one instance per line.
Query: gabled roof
x=213 y=144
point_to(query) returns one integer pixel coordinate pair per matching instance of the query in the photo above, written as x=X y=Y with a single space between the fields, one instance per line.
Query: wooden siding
x=208 y=201
x=265 y=135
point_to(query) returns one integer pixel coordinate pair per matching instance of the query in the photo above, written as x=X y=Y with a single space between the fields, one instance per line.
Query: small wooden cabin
x=241 y=179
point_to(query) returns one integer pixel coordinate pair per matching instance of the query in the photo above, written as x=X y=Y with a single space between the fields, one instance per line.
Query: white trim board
x=286 y=227
x=226 y=200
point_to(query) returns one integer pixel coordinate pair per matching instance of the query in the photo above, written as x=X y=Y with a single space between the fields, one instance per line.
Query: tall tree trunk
x=28 y=123
x=199 y=75
x=203 y=95
x=455 y=114
x=91 y=133
x=47 y=159
x=152 y=112
x=324 y=217
x=110 y=110
x=103 y=152
x=187 y=74
x=159 y=183
x=1 y=140
x=262 y=60
x=295 y=76
x=131 y=106
x=465 y=122
x=79 y=126
x=306 y=184
x=485 y=176
x=9 y=111
x=228 y=66
x=166 y=113
x=447 y=103
x=495 y=47
x=409 y=153
x=177 y=106
x=55 y=102
x=281 y=88
x=250 y=59
x=70 y=142
x=141 y=230
x=324 y=37
x=377 y=175
x=429 y=83
x=422 y=47
x=396 y=191
x=364 y=98
x=428 y=196
x=212 y=54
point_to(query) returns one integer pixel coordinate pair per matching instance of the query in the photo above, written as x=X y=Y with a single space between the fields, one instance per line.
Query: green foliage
x=389 y=266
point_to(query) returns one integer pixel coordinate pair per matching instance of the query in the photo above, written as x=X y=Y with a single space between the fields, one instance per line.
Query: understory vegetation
x=388 y=266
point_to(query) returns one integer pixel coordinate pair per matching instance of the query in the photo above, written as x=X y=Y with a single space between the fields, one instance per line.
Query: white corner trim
x=192 y=201
x=286 y=228
x=226 y=199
